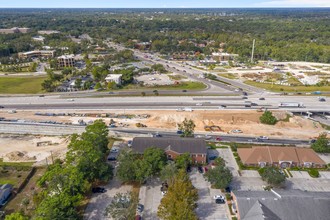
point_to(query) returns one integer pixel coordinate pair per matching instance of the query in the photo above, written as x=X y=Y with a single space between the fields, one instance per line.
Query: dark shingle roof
x=287 y=204
x=179 y=145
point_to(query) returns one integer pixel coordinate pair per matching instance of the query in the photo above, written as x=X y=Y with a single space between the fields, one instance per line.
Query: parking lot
x=207 y=208
x=317 y=184
x=150 y=196
x=99 y=201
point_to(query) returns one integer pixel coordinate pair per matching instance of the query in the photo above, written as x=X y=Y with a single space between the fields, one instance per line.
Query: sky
x=160 y=3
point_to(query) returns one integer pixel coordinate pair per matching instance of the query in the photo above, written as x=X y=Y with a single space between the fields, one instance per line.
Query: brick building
x=174 y=147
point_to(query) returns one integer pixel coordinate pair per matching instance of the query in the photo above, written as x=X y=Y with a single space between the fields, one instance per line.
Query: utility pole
x=254 y=41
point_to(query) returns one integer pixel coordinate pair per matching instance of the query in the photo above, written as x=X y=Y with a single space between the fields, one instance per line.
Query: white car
x=263 y=138
x=237 y=131
x=199 y=104
x=70 y=100
x=219 y=197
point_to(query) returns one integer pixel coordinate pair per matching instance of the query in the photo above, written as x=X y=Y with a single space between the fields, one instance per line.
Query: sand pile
x=18 y=156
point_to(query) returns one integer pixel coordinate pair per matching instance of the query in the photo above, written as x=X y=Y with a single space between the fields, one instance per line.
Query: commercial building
x=15 y=30
x=37 y=54
x=173 y=147
x=280 y=156
x=114 y=78
x=66 y=61
x=48 y=32
x=281 y=204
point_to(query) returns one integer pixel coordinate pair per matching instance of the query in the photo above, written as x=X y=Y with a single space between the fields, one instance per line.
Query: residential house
x=174 y=147
x=281 y=204
x=5 y=192
x=280 y=156
x=15 y=30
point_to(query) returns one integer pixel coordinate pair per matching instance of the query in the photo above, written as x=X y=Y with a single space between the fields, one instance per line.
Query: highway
x=58 y=129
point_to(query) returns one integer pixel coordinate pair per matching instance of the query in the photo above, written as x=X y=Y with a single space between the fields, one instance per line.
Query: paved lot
x=318 y=184
x=325 y=175
x=300 y=174
x=207 y=208
x=228 y=156
x=247 y=183
x=325 y=157
x=150 y=196
x=250 y=173
x=99 y=201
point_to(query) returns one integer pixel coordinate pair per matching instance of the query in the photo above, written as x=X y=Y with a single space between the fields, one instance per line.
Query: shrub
x=314 y=173
x=268 y=118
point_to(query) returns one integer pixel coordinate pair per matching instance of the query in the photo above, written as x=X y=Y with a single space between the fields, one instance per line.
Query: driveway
x=228 y=156
x=207 y=208
x=150 y=196
x=300 y=174
x=250 y=173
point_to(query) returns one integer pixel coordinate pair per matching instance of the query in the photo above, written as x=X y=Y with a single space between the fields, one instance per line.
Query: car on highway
x=218 y=139
x=157 y=135
x=322 y=99
x=244 y=97
x=70 y=100
x=98 y=190
x=245 y=93
x=2 y=106
x=261 y=98
x=199 y=104
x=179 y=132
x=262 y=138
x=184 y=90
x=236 y=131
x=222 y=106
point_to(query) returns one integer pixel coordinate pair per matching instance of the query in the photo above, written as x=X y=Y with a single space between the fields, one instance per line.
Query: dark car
x=188 y=169
x=244 y=97
x=262 y=98
x=312 y=141
x=245 y=93
x=1 y=106
x=220 y=201
x=140 y=208
x=157 y=135
x=200 y=169
x=98 y=190
x=184 y=90
x=228 y=189
x=179 y=132
x=322 y=99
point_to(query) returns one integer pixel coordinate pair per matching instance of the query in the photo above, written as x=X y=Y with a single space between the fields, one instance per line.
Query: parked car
x=129 y=143
x=212 y=157
x=220 y=201
x=200 y=170
x=98 y=190
x=140 y=208
x=138 y=217
x=188 y=169
x=228 y=189
x=219 y=197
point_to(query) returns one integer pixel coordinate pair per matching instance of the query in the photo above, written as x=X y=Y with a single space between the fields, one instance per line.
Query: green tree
x=97 y=133
x=122 y=207
x=168 y=172
x=16 y=216
x=268 y=118
x=272 y=176
x=187 y=127
x=126 y=168
x=155 y=159
x=220 y=177
x=180 y=201
x=183 y=161
x=219 y=162
x=321 y=145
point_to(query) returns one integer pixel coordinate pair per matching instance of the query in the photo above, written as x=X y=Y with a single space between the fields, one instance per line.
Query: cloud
x=295 y=3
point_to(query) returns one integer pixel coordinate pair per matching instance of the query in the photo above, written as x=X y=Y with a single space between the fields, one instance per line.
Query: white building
x=114 y=78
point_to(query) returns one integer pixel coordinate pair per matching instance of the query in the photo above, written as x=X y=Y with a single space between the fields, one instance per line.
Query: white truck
x=291 y=105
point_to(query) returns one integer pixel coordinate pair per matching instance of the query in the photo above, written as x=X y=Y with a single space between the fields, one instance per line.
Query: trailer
x=291 y=105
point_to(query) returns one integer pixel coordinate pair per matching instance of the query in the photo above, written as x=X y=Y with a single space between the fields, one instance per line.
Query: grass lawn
x=184 y=85
x=21 y=85
x=280 y=88
x=228 y=75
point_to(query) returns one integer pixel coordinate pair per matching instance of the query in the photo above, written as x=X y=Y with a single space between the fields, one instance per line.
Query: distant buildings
x=48 y=32
x=281 y=204
x=66 y=61
x=37 y=54
x=221 y=57
x=174 y=147
x=280 y=156
x=114 y=78
x=38 y=38
x=15 y=30
x=142 y=45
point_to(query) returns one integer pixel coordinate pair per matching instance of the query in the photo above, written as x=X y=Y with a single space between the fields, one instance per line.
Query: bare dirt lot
x=245 y=120
x=23 y=148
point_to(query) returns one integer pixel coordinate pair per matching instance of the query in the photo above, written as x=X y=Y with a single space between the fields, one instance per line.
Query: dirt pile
x=20 y=156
